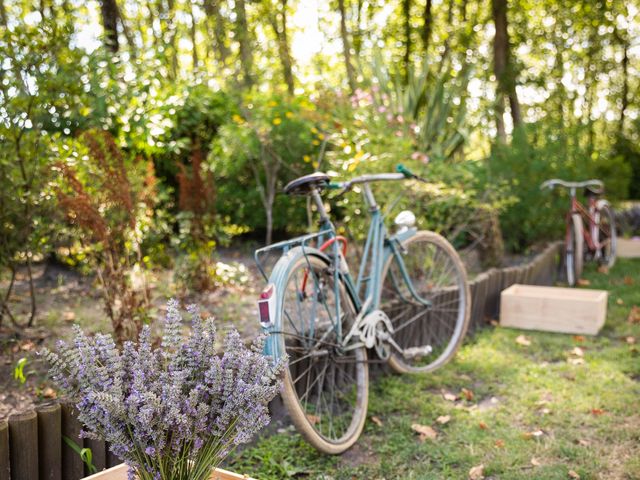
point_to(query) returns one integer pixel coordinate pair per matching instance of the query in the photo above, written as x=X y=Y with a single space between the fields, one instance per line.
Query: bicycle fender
x=278 y=278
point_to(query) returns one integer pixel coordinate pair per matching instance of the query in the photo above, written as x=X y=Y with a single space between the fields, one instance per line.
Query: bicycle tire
x=436 y=331
x=309 y=419
x=607 y=256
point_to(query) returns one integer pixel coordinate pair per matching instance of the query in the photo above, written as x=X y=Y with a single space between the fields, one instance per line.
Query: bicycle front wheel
x=326 y=385
x=426 y=296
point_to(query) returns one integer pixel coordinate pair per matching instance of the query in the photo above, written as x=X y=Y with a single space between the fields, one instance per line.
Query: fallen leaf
x=376 y=420
x=467 y=394
x=494 y=323
x=28 y=346
x=313 y=419
x=583 y=282
x=631 y=340
x=533 y=434
x=579 y=338
x=535 y=462
x=522 y=340
x=628 y=280
x=443 y=419
x=499 y=443
x=603 y=269
x=476 y=473
x=483 y=426
x=584 y=443
x=578 y=352
x=424 y=431
x=69 y=316
x=449 y=396
x=619 y=301
x=49 y=393
x=634 y=315
x=597 y=411
x=576 y=361
x=574 y=474
x=545 y=411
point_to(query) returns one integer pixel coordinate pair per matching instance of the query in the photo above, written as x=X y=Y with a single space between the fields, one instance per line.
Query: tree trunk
x=242 y=34
x=127 y=32
x=505 y=76
x=212 y=9
x=625 y=81
x=109 y=11
x=406 y=17
x=194 y=47
x=428 y=25
x=346 y=46
x=3 y=14
x=280 y=30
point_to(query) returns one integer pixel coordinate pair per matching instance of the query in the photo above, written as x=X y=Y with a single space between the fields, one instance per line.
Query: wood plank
x=23 y=440
x=4 y=450
x=72 y=464
x=119 y=472
x=49 y=441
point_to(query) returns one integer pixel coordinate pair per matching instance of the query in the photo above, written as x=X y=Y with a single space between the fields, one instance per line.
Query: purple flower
x=162 y=406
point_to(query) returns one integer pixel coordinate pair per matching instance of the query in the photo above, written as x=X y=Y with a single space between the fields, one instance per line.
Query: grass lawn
x=561 y=407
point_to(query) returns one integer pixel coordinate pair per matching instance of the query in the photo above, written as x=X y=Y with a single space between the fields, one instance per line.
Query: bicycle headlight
x=405 y=220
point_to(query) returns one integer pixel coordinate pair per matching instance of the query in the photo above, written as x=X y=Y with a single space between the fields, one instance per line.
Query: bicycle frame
x=591 y=225
x=378 y=249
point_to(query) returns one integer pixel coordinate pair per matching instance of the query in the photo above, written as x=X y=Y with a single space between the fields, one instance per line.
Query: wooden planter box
x=119 y=472
x=553 y=309
x=628 y=248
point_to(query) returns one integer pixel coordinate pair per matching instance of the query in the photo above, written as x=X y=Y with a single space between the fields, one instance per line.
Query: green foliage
x=86 y=455
x=275 y=139
x=18 y=371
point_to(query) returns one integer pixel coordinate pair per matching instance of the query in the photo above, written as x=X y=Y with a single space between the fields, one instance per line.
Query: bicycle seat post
x=317 y=199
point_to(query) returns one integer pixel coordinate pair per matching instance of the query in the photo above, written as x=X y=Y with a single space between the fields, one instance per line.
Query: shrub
x=111 y=208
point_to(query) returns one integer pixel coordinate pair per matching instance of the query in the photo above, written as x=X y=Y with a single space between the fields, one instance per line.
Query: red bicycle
x=592 y=227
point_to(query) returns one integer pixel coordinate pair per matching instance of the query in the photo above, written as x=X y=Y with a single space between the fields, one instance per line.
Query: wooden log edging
x=31 y=445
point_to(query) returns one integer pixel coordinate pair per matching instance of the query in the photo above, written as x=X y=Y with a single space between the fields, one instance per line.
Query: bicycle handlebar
x=550 y=184
x=403 y=173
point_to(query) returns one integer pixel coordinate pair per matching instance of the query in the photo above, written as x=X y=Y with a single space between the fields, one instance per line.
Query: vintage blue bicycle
x=409 y=305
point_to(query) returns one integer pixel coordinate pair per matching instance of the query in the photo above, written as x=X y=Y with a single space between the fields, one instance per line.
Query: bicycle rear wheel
x=326 y=386
x=574 y=255
x=429 y=334
x=607 y=235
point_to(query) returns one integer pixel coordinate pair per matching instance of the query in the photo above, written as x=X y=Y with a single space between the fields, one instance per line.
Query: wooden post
x=4 y=450
x=23 y=438
x=72 y=464
x=112 y=460
x=98 y=453
x=49 y=441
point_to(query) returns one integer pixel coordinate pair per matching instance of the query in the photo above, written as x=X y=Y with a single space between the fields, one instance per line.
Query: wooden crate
x=628 y=248
x=553 y=309
x=119 y=472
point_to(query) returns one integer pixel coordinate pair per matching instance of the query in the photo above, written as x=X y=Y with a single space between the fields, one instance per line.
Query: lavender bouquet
x=173 y=412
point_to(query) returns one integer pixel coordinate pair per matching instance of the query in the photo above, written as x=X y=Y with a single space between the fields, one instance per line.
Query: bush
x=110 y=201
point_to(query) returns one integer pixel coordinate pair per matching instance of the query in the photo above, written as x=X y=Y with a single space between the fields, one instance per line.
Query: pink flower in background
x=423 y=157
x=382 y=109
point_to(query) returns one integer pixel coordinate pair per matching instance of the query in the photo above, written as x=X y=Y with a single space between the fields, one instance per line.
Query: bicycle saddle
x=303 y=185
x=594 y=190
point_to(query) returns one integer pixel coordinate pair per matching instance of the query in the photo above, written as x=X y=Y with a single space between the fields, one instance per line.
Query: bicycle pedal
x=414 y=352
